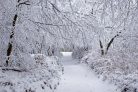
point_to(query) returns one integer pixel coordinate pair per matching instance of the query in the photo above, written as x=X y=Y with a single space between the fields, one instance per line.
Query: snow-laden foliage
x=108 y=27
x=117 y=68
x=41 y=25
x=43 y=75
x=113 y=38
x=27 y=27
x=80 y=52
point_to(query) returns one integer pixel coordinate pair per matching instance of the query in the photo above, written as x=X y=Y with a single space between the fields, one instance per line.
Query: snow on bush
x=115 y=69
x=79 y=52
x=44 y=76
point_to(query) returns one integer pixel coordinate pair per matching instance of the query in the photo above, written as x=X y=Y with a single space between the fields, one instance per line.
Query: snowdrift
x=115 y=69
x=44 y=76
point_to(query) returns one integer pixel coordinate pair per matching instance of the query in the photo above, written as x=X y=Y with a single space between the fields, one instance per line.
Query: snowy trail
x=79 y=78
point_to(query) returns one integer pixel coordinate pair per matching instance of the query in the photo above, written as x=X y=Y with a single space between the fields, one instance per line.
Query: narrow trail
x=79 y=78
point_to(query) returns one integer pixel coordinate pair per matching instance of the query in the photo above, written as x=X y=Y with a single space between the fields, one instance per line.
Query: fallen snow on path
x=68 y=54
x=79 y=78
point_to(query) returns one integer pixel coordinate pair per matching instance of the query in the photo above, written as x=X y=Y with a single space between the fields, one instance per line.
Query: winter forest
x=68 y=46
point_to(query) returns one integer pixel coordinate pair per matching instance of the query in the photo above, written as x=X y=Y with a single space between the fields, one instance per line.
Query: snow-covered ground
x=66 y=54
x=80 y=78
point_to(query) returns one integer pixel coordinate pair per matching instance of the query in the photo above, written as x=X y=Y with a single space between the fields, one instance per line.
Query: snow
x=102 y=34
x=117 y=71
x=80 y=78
x=43 y=76
x=67 y=53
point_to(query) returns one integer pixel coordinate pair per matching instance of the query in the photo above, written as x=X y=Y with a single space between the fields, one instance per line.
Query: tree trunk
x=10 y=45
x=101 y=46
x=110 y=42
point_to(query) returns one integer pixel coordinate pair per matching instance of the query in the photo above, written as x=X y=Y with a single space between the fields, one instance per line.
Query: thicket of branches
x=45 y=26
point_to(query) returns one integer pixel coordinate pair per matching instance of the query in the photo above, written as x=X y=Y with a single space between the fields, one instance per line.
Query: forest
x=68 y=46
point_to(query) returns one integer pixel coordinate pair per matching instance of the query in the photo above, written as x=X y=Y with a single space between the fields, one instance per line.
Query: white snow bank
x=43 y=77
x=114 y=69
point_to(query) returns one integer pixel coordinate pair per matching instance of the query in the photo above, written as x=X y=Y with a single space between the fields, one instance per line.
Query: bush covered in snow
x=113 y=67
x=44 y=76
x=79 y=52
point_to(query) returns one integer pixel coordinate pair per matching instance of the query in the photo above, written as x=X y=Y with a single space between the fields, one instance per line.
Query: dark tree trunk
x=110 y=42
x=101 y=46
x=10 y=45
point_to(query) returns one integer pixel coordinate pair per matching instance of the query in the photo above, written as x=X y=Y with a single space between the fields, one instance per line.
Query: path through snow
x=79 y=78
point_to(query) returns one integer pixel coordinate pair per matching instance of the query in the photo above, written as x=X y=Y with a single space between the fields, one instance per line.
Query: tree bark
x=10 y=44
x=101 y=46
x=110 y=42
